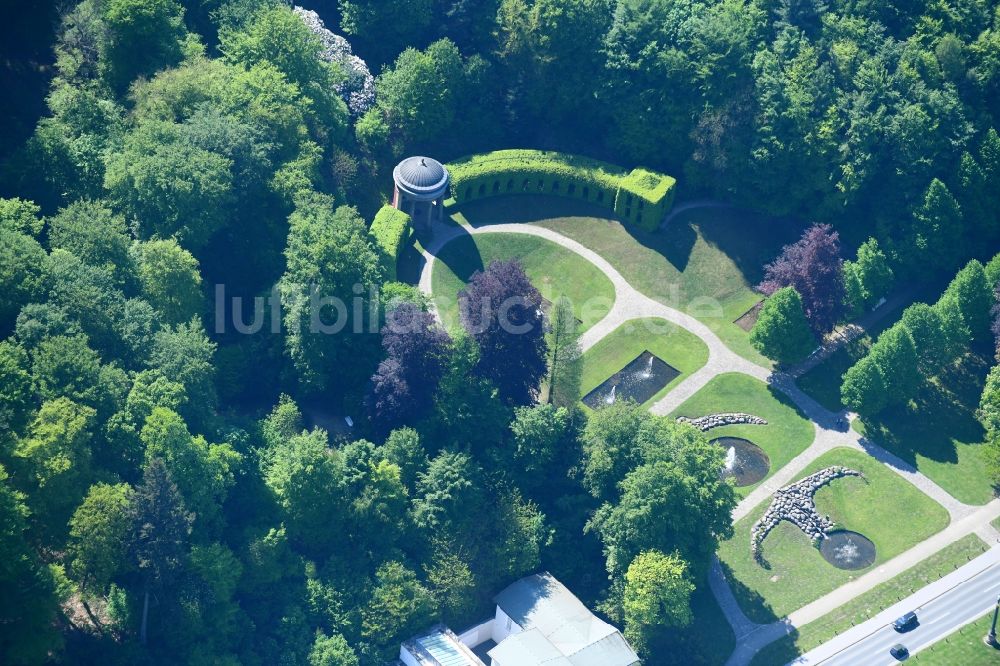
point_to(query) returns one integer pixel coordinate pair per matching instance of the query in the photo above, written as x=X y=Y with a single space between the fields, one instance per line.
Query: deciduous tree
x=142 y=37
x=169 y=278
x=307 y=481
x=203 y=472
x=96 y=235
x=329 y=261
x=925 y=326
x=22 y=274
x=56 y=457
x=934 y=242
x=501 y=310
x=98 y=533
x=28 y=632
x=541 y=433
x=813 y=266
x=565 y=357
x=657 y=595
x=782 y=331
x=974 y=296
x=404 y=384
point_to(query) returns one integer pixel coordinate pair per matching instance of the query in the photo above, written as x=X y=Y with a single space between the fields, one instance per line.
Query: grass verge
x=965 y=647
x=871 y=603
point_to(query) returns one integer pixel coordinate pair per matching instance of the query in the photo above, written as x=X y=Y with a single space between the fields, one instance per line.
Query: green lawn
x=965 y=647
x=709 y=635
x=823 y=381
x=554 y=270
x=879 y=506
x=787 y=433
x=938 y=432
x=871 y=603
x=675 y=345
x=705 y=263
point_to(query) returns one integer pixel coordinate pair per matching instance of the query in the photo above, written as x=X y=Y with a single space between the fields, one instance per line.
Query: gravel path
x=831 y=431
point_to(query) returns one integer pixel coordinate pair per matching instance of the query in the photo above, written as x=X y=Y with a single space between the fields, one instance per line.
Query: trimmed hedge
x=640 y=197
x=390 y=231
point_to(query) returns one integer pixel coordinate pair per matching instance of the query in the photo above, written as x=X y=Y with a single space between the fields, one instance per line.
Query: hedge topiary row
x=390 y=230
x=639 y=197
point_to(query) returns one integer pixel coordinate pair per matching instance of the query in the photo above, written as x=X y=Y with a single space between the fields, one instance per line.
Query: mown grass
x=965 y=647
x=554 y=270
x=871 y=603
x=883 y=506
x=704 y=264
x=675 y=345
x=938 y=432
x=823 y=381
x=787 y=433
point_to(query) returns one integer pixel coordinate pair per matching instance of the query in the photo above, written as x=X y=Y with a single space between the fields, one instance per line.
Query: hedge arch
x=639 y=197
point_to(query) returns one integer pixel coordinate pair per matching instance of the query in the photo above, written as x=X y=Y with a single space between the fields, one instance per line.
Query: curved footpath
x=831 y=432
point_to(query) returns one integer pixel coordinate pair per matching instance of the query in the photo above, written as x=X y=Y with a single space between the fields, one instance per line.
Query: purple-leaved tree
x=814 y=267
x=416 y=354
x=501 y=310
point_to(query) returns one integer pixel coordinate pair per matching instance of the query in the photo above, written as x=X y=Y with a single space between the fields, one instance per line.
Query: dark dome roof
x=421 y=174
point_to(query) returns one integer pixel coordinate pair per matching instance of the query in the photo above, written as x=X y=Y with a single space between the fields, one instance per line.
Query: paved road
x=942 y=608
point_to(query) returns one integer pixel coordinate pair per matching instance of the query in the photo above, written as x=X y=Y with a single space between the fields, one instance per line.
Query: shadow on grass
x=781 y=386
x=753 y=604
x=780 y=651
x=410 y=265
x=528 y=208
x=750 y=239
x=462 y=257
x=674 y=243
x=942 y=412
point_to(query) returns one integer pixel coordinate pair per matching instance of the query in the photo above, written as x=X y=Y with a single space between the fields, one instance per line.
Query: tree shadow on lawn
x=751 y=602
x=462 y=257
x=943 y=411
x=779 y=385
x=750 y=239
x=411 y=263
x=529 y=208
x=675 y=243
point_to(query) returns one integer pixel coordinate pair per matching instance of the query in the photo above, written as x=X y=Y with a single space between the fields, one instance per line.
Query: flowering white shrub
x=358 y=87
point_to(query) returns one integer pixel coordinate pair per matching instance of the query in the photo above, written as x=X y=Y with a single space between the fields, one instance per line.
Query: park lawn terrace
x=554 y=270
x=884 y=507
x=704 y=263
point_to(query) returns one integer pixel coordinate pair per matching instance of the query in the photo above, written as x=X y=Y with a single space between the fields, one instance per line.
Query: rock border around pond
x=795 y=504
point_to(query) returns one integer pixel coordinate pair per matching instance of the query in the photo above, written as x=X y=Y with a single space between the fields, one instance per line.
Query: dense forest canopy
x=164 y=496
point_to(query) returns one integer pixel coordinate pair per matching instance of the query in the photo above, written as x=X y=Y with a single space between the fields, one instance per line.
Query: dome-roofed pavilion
x=421 y=188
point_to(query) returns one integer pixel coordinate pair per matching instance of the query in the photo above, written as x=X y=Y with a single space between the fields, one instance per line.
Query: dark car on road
x=899 y=651
x=906 y=622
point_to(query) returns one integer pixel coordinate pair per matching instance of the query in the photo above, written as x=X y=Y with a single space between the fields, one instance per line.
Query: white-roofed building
x=539 y=622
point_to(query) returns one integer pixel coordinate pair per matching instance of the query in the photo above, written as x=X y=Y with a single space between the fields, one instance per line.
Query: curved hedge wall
x=640 y=197
x=390 y=231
